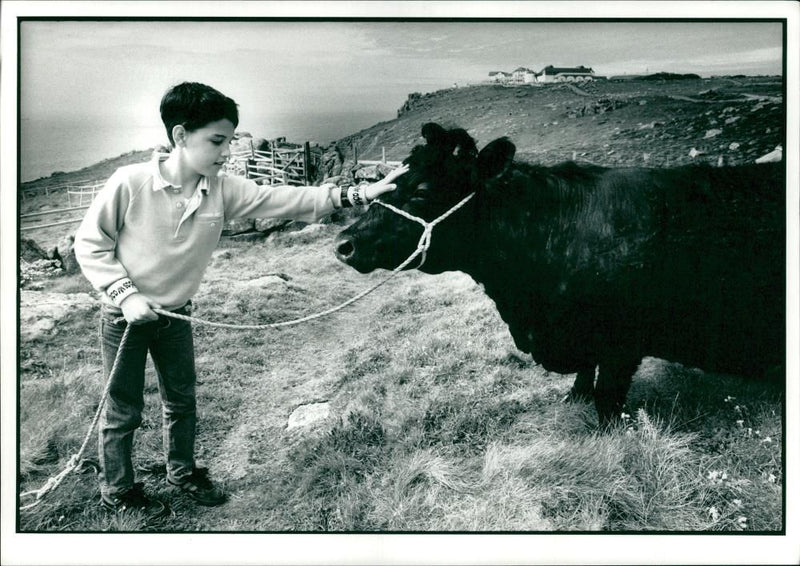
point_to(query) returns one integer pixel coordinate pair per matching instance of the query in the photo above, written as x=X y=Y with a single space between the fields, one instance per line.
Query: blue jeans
x=171 y=347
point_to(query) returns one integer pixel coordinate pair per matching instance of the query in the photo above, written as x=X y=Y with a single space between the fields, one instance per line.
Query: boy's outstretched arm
x=245 y=199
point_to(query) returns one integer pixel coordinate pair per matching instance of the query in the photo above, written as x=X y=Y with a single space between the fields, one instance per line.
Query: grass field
x=436 y=422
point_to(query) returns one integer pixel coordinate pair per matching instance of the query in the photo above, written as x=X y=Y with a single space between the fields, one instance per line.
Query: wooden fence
x=382 y=161
x=274 y=166
x=26 y=193
x=77 y=195
x=26 y=218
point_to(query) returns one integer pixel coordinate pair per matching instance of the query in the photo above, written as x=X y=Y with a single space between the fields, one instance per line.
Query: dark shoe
x=200 y=488
x=135 y=500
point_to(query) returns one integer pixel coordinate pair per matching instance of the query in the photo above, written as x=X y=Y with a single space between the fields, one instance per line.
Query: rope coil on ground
x=422 y=247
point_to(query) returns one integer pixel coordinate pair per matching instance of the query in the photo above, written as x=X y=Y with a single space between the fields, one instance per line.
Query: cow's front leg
x=583 y=388
x=613 y=381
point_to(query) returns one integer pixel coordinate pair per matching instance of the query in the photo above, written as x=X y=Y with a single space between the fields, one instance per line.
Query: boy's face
x=207 y=148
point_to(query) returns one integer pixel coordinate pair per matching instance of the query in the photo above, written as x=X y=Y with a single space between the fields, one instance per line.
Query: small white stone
x=307 y=415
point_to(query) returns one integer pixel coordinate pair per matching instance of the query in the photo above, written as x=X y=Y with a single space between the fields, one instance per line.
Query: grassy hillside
x=435 y=422
x=641 y=123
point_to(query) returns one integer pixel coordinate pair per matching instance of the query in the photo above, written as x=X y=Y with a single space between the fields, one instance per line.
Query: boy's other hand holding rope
x=138 y=309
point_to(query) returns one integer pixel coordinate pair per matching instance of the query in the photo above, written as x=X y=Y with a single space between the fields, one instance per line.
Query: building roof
x=522 y=69
x=550 y=70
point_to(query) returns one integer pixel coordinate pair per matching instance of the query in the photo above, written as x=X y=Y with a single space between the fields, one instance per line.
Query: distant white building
x=500 y=76
x=552 y=74
x=523 y=75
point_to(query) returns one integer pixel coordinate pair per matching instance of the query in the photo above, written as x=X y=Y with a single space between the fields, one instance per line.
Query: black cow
x=594 y=267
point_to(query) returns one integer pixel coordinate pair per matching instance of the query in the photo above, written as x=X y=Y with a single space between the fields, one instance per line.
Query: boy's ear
x=179 y=134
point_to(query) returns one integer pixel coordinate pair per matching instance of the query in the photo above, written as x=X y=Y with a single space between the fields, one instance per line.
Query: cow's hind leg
x=613 y=381
x=583 y=388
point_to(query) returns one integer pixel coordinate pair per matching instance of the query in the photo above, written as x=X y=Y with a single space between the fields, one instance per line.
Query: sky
x=102 y=69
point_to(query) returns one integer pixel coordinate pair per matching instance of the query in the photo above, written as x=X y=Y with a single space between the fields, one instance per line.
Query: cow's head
x=441 y=173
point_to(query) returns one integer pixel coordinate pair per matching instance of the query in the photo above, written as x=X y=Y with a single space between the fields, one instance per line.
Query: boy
x=145 y=243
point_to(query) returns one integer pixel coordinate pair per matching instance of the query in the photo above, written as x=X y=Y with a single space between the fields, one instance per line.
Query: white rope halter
x=425 y=239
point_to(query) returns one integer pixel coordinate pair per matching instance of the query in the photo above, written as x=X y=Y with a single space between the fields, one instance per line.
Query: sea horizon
x=65 y=144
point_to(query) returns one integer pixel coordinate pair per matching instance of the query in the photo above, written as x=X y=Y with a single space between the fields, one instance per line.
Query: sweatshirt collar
x=159 y=183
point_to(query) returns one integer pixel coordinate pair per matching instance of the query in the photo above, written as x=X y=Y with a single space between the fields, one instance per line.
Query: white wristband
x=356 y=196
x=121 y=290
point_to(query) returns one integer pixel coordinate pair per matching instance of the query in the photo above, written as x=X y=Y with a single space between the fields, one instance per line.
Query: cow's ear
x=433 y=133
x=463 y=144
x=496 y=157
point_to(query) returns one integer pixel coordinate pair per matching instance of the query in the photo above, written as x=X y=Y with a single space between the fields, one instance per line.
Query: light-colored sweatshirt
x=138 y=236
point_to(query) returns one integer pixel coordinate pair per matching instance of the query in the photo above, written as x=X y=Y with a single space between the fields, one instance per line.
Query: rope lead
x=76 y=458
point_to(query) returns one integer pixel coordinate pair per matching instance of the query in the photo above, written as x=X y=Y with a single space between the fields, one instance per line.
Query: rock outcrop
x=41 y=313
x=30 y=251
x=64 y=252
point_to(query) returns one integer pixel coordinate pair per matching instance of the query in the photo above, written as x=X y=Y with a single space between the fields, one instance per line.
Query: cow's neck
x=500 y=246
x=506 y=260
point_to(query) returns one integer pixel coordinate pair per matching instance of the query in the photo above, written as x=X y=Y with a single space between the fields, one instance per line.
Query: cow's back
x=716 y=276
x=686 y=264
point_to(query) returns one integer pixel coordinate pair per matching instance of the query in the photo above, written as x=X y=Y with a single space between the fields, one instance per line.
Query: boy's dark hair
x=193 y=105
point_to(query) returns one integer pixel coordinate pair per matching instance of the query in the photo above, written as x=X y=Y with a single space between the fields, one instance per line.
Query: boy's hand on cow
x=138 y=309
x=373 y=191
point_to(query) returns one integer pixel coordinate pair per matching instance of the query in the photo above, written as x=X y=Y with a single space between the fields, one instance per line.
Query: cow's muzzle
x=345 y=249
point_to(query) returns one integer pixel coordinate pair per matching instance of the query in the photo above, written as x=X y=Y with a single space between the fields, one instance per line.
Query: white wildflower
x=714 y=514
x=740 y=422
x=741 y=521
x=737 y=502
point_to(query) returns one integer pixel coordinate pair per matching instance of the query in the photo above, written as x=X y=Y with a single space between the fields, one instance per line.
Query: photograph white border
x=383 y=548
